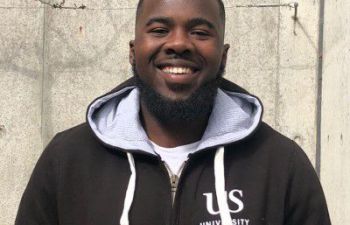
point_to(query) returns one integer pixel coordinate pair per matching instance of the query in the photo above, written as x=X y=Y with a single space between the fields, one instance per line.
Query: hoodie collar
x=114 y=118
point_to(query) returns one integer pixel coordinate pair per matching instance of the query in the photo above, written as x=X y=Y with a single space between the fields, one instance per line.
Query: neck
x=173 y=133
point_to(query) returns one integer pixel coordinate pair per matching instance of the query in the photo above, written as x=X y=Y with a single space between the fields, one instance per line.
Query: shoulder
x=78 y=135
x=270 y=149
x=77 y=143
x=265 y=137
x=279 y=144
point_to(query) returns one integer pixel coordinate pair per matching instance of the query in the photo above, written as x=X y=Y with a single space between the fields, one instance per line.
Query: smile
x=177 y=70
x=178 y=74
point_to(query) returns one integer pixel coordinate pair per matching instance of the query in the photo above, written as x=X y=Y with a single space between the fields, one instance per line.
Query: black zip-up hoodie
x=105 y=172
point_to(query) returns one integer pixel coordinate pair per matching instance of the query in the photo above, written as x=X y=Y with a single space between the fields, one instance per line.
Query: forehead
x=181 y=10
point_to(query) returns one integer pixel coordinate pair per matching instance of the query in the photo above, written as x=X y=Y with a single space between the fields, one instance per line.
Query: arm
x=38 y=204
x=305 y=200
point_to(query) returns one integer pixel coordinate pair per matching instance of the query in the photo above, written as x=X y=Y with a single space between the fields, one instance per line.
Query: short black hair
x=221 y=8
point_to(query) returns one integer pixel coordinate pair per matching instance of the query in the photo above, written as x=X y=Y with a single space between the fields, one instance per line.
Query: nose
x=178 y=44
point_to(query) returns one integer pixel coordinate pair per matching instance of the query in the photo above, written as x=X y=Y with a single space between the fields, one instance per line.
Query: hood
x=114 y=118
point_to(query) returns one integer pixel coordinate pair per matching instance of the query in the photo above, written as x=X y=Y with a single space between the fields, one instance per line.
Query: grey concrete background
x=335 y=132
x=54 y=62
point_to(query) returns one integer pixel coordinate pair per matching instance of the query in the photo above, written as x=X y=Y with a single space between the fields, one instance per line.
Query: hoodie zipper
x=174 y=182
x=174 y=179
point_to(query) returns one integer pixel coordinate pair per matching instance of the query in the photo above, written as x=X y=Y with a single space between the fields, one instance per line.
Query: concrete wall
x=53 y=62
x=335 y=130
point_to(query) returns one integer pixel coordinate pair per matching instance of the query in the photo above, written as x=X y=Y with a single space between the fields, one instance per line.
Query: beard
x=198 y=105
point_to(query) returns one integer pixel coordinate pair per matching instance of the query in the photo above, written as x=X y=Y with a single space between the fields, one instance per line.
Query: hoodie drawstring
x=221 y=194
x=130 y=191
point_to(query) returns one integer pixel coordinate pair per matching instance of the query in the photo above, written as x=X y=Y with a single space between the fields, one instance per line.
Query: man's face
x=178 y=46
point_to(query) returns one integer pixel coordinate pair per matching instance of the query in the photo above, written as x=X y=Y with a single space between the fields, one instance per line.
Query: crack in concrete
x=2 y=131
x=290 y=5
x=61 y=5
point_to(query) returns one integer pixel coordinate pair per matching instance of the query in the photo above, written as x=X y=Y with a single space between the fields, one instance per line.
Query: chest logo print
x=235 y=196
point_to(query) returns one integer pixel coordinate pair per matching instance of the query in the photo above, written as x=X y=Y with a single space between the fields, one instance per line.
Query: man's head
x=179 y=50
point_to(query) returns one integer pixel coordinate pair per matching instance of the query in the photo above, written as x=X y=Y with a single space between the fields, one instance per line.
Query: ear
x=224 y=55
x=131 y=51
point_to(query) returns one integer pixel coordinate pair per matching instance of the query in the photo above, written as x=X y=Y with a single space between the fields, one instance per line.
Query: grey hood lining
x=114 y=119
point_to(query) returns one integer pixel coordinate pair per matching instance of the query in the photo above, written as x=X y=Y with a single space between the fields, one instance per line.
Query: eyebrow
x=163 y=20
x=200 y=21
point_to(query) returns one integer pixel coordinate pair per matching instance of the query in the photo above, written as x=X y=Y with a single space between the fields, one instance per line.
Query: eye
x=201 y=34
x=159 y=31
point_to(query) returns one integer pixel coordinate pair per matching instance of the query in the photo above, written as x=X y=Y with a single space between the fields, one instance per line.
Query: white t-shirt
x=175 y=157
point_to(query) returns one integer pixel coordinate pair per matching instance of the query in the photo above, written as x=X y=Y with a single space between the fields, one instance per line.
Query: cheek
x=212 y=54
x=145 y=48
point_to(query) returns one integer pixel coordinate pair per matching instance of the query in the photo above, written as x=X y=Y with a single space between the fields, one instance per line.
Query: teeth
x=177 y=70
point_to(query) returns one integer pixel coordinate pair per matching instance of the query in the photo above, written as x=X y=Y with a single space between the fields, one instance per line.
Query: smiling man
x=178 y=57
x=175 y=144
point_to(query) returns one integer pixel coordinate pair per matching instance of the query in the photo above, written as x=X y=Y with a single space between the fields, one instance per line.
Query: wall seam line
x=43 y=79
x=277 y=86
x=319 y=87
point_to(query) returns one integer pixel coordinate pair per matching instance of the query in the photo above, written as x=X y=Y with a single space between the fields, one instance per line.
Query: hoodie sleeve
x=305 y=200
x=38 y=204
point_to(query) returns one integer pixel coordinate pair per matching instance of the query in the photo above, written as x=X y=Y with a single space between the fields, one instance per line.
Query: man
x=176 y=144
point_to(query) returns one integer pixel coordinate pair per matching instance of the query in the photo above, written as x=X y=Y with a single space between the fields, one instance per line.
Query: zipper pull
x=174 y=182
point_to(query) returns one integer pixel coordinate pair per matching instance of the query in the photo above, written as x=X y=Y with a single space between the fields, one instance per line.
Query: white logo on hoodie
x=234 y=196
